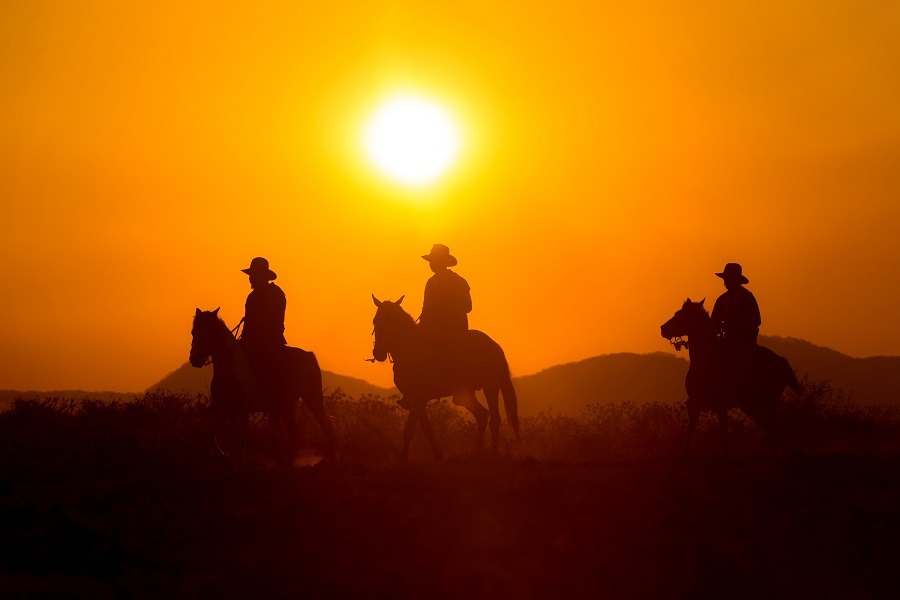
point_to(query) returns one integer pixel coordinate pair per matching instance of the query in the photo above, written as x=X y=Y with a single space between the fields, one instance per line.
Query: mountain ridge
x=571 y=387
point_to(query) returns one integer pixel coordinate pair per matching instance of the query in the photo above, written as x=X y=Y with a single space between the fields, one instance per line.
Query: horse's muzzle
x=379 y=355
x=666 y=330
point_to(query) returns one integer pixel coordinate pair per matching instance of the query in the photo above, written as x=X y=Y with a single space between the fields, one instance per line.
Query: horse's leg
x=408 y=431
x=770 y=425
x=429 y=433
x=492 y=394
x=289 y=418
x=314 y=399
x=468 y=400
x=722 y=417
x=243 y=424
x=693 y=419
x=216 y=423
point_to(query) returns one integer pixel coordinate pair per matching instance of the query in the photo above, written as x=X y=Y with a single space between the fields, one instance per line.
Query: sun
x=412 y=140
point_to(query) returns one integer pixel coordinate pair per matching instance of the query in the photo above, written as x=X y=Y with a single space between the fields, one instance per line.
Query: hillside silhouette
x=659 y=377
x=196 y=381
x=612 y=378
x=872 y=381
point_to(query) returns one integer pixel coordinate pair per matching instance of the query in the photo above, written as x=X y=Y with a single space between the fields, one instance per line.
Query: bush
x=171 y=431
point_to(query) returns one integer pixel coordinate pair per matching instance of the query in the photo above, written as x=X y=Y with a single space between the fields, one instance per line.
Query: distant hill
x=641 y=378
x=611 y=378
x=569 y=388
x=872 y=381
x=192 y=380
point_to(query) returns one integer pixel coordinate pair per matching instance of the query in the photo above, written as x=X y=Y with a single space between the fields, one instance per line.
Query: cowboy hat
x=732 y=272
x=260 y=267
x=440 y=256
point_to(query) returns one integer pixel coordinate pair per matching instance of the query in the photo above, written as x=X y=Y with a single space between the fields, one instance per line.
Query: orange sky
x=615 y=157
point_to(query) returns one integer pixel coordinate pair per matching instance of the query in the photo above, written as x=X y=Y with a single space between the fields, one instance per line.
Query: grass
x=110 y=499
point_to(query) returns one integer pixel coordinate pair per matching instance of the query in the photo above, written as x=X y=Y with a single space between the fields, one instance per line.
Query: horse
x=419 y=378
x=710 y=385
x=235 y=392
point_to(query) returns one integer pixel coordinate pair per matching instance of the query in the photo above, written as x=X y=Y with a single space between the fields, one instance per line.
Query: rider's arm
x=428 y=299
x=754 y=311
x=467 y=299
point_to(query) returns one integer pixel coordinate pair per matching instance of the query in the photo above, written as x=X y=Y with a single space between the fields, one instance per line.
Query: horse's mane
x=399 y=310
x=220 y=323
x=698 y=306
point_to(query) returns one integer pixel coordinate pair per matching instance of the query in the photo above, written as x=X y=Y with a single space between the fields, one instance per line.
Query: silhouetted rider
x=263 y=334
x=447 y=300
x=736 y=319
x=736 y=313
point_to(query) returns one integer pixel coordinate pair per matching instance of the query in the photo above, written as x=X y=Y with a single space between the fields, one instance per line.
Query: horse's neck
x=224 y=350
x=700 y=348
x=406 y=344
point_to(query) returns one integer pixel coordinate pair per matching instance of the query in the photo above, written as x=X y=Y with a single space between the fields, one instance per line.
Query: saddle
x=741 y=368
x=270 y=371
x=439 y=369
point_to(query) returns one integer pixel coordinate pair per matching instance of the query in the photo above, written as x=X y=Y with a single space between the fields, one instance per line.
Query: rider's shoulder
x=457 y=277
x=270 y=290
x=446 y=275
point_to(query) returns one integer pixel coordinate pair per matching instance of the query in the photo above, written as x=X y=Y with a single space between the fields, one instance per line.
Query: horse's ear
x=701 y=302
x=376 y=301
x=216 y=312
x=688 y=301
x=197 y=314
x=401 y=299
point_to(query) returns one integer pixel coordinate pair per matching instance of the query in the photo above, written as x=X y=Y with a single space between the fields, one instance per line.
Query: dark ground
x=112 y=510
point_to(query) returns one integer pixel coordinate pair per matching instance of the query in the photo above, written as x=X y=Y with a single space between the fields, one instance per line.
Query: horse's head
x=686 y=322
x=391 y=322
x=205 y=335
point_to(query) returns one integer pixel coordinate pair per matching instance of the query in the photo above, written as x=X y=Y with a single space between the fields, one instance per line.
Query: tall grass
x=160 y=429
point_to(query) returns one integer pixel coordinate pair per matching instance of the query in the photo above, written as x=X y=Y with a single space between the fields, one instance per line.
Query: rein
x=234 y=333
x=372 y=360
x=679 y=342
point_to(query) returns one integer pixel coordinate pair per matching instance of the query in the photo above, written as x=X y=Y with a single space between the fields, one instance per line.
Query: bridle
x=236 y=336
x=679 y=342
x=388 y=354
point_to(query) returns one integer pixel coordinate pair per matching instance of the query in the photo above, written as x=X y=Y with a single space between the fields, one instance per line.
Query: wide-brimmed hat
x=732 y=272
x=260 y=267
x=440 y=256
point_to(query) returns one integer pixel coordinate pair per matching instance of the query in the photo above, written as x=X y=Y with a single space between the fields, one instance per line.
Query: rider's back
x=447 y=302
x=264 y=317
x=736 y=316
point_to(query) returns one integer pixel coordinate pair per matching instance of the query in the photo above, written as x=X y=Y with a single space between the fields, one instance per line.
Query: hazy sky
x=614 y=158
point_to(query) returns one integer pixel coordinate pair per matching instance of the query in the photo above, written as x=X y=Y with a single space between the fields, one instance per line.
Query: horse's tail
x=791 y=377
x=510 y=399
x=314 y=397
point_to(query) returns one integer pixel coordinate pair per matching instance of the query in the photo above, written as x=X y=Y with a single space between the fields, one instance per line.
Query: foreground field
x=125 y=501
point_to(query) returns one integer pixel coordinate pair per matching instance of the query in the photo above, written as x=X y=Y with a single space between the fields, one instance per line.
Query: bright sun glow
x=412 y=140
